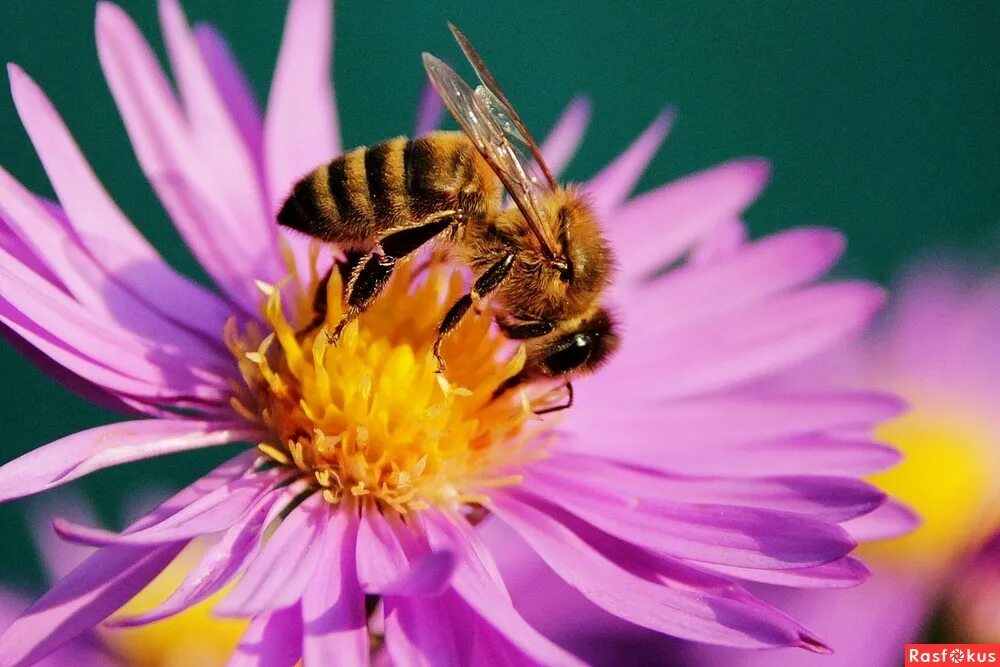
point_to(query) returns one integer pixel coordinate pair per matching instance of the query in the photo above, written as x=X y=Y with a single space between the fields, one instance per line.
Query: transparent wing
x=472 y=111
x=502 y=106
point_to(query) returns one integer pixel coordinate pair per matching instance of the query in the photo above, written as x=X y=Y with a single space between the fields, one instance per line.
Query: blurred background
x=881 y=119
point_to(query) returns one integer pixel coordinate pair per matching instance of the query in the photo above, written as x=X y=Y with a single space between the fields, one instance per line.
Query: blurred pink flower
x=937 y=348
x=677 y=476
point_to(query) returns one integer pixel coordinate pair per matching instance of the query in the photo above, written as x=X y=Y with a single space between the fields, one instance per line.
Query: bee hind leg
x=373 y=272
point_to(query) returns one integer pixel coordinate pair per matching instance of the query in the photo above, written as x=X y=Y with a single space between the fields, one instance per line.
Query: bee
x=542 y=261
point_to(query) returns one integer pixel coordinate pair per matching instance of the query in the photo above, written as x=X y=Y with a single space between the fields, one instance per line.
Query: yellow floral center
x=949 y=475
x=369 y=417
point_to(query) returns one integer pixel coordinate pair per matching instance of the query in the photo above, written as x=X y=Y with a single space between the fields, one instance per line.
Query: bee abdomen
x=367 y=191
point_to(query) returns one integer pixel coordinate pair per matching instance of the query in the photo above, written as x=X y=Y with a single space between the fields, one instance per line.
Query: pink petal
x=59 y=556
x=271 y=640
x=89 y=391
x=758 y=270
x=381 y=559
x=833 y=499
x=703 y=608
x=706 y=532
x=25 y=297
x=221 y=562
x=428 y=577
x=173 y=161
x=657 y=227
x=610 y=187
x=429 y=112
x=214 y=512
x=417 y=635
x=565 y=136
x=101 y=226
x=749 y=343
x=235 y=90
x=333 y=607
x=21 y=249
x=222 y=149
x=91 y=592
x=98 y=291
x=842 y=573
x=893 y=519
x=720 y=243
x=229 y=471
x=478 y=582
x=269 y=583
x=300 y=129
x=104 y=446
x=692 y=423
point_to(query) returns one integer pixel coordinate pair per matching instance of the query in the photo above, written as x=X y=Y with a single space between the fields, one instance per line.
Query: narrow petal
x=417 y=635
x=300 y=129
x=893 y=519
x=26 y=297
x=221 y=562
x=271 y=640
x=92 y=392
x=102 y=227
x=657 y=227
x=85 y=597
x=429 y=112
x=478 y=582
x=750 y=418
x=704 y=532
x=284 y=568
x=750 y=343
x=235 y=89
x=381 y=559
x=844 y=572
x=756 y=271
x=224 y=152
x=333 y=607
x=99 y=291
x=104 y=446
x=173 y=159
x=428 y=577
x=610 y=187
x=714 y=611
x=720 y=243
x=214 y=512
x=565 y=136
x=833 y=499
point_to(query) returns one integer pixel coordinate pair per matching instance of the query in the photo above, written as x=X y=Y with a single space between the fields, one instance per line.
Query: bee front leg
x=373 y=272
x=485 y=284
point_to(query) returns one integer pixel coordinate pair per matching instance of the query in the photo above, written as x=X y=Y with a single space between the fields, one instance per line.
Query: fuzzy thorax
x=369 y=418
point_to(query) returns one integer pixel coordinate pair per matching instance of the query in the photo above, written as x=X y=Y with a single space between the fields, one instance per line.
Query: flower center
x=370 y=416
x=948 y=475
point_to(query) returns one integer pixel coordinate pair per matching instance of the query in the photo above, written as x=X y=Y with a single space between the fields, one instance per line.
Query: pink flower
x=936 y=347
x=351 y=531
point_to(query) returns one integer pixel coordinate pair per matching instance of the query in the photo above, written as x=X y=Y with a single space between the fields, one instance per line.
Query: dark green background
x=880 y=118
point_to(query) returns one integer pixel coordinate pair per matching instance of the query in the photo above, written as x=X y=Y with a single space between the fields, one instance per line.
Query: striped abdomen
x=366 y=191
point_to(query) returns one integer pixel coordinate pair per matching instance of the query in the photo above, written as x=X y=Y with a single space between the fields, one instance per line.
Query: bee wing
x=500 y=106
x=473 y=115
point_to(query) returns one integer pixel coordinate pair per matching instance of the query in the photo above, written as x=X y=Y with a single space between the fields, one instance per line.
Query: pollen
x=370 y=417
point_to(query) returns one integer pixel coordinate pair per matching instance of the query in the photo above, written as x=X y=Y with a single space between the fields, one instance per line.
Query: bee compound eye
x=573 y=352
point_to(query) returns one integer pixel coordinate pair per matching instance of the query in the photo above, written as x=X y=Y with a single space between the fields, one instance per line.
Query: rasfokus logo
x=952 y=654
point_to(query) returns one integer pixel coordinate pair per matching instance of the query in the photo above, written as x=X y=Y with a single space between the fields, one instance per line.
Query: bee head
x=579 y=347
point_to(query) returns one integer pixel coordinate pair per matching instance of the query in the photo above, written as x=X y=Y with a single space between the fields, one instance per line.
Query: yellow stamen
x=369 y=417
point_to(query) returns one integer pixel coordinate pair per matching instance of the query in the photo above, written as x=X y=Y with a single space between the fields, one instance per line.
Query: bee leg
x=482 y=288
x=565 y=406
x=373 y=272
